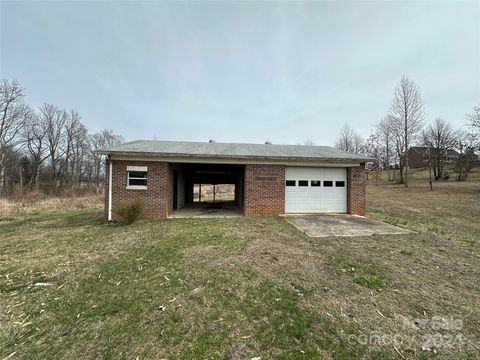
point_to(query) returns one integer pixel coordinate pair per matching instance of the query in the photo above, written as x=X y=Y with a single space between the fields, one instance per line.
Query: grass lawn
x=242 y=288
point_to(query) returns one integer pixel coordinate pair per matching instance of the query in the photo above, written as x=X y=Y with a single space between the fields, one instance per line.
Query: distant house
x=418 y=156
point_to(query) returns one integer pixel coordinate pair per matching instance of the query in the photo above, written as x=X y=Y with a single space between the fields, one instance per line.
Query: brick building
x=418 y=156
x=267 y=179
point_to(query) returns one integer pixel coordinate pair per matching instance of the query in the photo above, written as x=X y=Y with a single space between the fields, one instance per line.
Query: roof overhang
x=237 y=160
x=182 y=151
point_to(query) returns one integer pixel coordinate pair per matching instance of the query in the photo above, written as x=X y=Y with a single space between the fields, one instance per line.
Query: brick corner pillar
x=158 y=197
x=264 y=190
x=356 y=190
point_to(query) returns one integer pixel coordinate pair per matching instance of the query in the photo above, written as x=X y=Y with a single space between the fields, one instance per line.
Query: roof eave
x=170 y=155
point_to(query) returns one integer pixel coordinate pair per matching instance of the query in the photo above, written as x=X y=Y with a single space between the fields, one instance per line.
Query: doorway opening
x=207 y=190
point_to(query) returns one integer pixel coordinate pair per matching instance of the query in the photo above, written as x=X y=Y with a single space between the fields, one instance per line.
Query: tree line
x=47 y=149
x=405 y=126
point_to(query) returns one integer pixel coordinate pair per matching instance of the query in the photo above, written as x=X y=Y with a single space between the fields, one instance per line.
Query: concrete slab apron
x=205 y=213
x=342 y=225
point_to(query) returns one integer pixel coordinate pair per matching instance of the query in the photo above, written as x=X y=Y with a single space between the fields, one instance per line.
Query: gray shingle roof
x=157 y=148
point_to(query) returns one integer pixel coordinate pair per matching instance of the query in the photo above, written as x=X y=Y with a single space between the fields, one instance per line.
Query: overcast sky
x=243 y=72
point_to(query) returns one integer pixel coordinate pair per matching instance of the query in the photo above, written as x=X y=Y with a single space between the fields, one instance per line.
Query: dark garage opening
x=207 y=190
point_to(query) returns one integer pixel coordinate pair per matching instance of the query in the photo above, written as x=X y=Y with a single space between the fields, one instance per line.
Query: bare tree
x=99 y=140
x=465 y=140
x=385 y=134
x=53 y=119
x=34 y=137
x=373 y=149
x=80 y=163
x=72 y=128
x=13 y=114
x=345 y=140
x=465 y=163
x=474 y=122
x=350 y=140
x=408 y=116
x=398 y=142
x=474 y=117
x=439 y=137
x=13 y=167
x=50 y=141
x=358 y=144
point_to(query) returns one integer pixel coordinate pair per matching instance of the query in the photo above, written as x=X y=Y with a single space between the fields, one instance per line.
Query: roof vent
x=211 y=141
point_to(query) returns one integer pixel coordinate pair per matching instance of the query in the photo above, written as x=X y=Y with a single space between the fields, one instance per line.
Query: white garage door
x=309 y=190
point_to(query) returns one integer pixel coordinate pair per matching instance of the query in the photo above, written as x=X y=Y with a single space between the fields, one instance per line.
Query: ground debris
x=10 y=356
x=398 y=352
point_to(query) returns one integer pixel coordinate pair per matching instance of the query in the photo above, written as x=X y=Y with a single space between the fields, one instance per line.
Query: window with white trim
x=137 y=177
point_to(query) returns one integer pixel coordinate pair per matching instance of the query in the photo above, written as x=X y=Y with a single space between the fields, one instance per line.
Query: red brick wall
x=356 y=190
x=158 y=197
x=264 y=189
x=415 y=159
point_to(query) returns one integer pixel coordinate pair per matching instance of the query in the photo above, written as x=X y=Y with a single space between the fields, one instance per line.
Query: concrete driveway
x=341 y=225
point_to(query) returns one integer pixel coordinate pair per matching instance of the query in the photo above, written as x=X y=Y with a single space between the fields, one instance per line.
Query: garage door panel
x=307 y=199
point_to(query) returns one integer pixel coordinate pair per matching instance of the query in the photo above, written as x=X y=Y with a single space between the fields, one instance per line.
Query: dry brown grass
x=38 y=203
x=223 y=192
x=242 y=287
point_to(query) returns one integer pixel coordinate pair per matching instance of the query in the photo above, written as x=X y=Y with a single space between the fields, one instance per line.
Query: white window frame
x=136 y=169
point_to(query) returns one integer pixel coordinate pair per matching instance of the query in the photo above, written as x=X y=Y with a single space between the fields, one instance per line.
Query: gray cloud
x=285 y=71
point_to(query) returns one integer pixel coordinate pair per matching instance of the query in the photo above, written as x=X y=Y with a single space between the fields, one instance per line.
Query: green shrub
x=130 y=212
